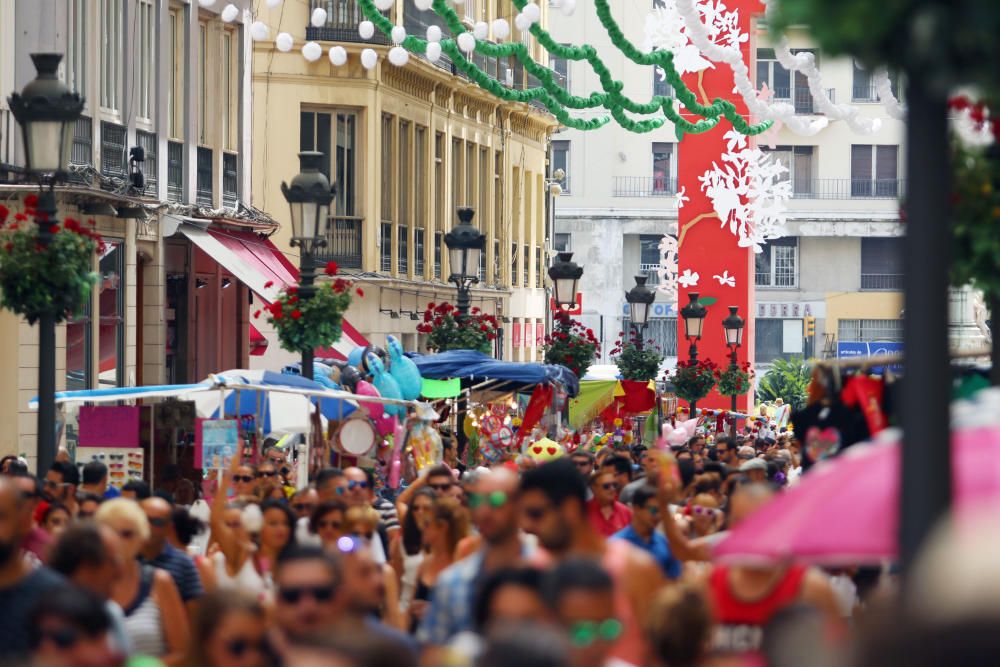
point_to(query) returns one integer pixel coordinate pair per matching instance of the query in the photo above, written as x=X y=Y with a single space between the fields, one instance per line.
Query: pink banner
x=109 y=426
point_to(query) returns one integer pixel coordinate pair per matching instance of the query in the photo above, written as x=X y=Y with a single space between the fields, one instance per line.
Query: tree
x=787 y=379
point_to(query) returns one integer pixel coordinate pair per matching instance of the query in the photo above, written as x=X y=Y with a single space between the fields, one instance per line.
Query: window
x=229 y=87
x=514 y=276
x=469 y=167
x=111 y=301
x=661 y=330
x=147 y=140
x=113 y=150
x=777 y=265
x=203 y=103
x=145 y=58
x=874 y=171
x=869 y=331
x=773 y=336
x=560 y=160
x=798 y=160
x=204 y=193
x=315 y=131
x=420 y=205
x=439 y=205
x=771 y=72
x=457 y=196
x=385 y=239
x=801 y=96
x=862 y=90
x=387 y=175
x=660 y=85
x=403 y=182
x=230 y=179
x=82 y=152
x=175 y=171
x=561 y=68
x=649 y=257
x=418 y=252
x=402 y=249
x=438 y=243
x=663 y=180
x=498 y=209
x=175 y=87
x=561 y=242
x=76 y=48
x=79 y=343
x=111 y=53
x=881 y=264
x=525 y=266
x=539 y=268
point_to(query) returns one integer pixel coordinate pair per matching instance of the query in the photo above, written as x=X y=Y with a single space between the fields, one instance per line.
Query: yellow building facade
x=405 y=146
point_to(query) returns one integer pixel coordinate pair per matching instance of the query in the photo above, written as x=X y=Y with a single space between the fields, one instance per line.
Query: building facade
x=166 y=84
x=405 y=146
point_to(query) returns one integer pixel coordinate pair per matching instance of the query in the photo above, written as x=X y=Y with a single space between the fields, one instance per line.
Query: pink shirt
x=620 y=517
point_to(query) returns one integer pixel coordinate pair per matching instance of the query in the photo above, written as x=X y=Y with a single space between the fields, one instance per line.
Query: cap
x=753 y=464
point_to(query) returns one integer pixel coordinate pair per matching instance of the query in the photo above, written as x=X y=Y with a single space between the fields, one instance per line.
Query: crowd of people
x=592 y=560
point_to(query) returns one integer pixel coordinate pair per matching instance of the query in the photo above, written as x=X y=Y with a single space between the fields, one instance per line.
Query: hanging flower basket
x=36 y=279
x=447 y=330
x=693 y=380
x=307 y=324
x=733 y=381
x=571 y=345
x=635 y=363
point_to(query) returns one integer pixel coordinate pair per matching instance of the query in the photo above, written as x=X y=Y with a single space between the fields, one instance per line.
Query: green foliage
x=693 y=380
x=634 y=363
x=571 y=344
x=308 y=322
x=556 y=98
x=448 y=330
x=50 y=272
x=975 y=220
x=734 y=381
x=787 y=379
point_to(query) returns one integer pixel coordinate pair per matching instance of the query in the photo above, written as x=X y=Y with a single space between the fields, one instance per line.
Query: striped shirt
x=182 y=570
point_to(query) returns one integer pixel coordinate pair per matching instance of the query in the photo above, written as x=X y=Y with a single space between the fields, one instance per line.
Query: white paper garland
x=883 y=87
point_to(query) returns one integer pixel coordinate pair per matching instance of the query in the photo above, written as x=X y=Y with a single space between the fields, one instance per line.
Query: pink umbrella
x=845 y=511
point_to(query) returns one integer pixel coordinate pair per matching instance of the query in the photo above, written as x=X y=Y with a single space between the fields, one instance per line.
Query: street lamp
x=565 y=275
x=639 y=300
x=465 y=247
x=308 y=198
x=47 y=112
x=733 y=324
x=694 y=318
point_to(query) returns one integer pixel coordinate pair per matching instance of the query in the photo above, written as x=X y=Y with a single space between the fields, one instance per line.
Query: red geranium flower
x=296 y=314
x=256 y=314
x=269 y=283
x=360 y=292
x=331 y=268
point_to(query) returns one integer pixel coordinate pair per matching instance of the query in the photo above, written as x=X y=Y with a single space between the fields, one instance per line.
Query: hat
x=753 y=464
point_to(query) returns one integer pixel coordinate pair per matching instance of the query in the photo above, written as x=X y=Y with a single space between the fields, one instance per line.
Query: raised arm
x=681 y=547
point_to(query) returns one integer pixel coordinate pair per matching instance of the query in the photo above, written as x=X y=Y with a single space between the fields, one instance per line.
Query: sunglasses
x=267 y=474
x=239 y=646
x=495 y=499
x=440 y=487
x=84 y=515
x=699 y=510
x=353 y=484
x=295 y=594
x=159 y=521
x=652 y=509
x=64 y=637
x=608 y=486
x=336 y=525
x=276 y=460
x=242 y=478
x=585 y=633
x=303 y=507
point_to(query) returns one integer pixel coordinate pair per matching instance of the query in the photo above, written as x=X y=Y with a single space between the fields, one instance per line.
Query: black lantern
x=733 y=324
x=465 y=248
x=309 y=197
x=640 y=298
x=694 y=317
x=47 y=112
x=565 y=275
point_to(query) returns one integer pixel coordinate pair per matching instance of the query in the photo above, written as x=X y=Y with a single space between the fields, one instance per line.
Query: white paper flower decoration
x=258 y=31
x=318 y=18
x=366 y=29
x=433 y=33
x=338 y=55
x=312 y=51
x=688 y=278
x=284 y=42
x=229 y=13
x=568 y=7
x=521 y=22
x=501 y=29
x=726 y=279
x=682 y=198
x=384 y=5
x=422 y=5
x=466 y=42
x=398 y=34
x=532 y=12
x=667 y=270
x=273 y=3
x=206 y=3
x=481 y=30
x=369 y=58
x=433 y=51
x=398 y=56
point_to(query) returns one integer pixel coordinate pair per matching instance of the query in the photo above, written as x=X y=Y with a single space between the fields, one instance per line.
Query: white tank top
x=411 y=565
x=247 y=579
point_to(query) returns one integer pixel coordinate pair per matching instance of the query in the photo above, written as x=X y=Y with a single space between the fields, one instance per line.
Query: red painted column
x=705 y=246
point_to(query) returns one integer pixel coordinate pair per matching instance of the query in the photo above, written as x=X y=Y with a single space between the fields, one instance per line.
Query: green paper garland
x=556 y=98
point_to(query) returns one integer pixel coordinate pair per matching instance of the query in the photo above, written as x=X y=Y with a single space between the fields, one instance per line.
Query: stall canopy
x=505 y=375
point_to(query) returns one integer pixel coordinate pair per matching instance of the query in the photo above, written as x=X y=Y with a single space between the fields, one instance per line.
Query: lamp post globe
x=465 y=248
x=565 y=275
x=733 y=325
x=694 y=318
x=308 y=195
x=640 y=299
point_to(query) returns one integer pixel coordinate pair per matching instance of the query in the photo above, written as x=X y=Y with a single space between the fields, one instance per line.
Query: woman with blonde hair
x=443 y=527
x=155 y=619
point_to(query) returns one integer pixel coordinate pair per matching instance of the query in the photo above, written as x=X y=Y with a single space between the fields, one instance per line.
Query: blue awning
x=472 y=365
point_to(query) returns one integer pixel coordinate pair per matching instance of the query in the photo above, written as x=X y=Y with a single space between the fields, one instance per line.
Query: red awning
x=258 y=343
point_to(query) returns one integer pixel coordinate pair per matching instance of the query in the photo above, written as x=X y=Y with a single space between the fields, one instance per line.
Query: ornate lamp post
x=308 y=197
x=47 y=112
x=565 y=275
x=465 y=247
x=639 y=300
x=733 y=324
x=694 y=318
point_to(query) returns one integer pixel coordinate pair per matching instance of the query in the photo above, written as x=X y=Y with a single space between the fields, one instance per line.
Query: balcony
x=885 y=282
x=344 y=242
x=113 y=163
x=848 y=188
x=644 y=186
x=204 y=193
x=802 y=99
x=342 y=19
x=82 y=152
x=147 y=141
x=652 y=273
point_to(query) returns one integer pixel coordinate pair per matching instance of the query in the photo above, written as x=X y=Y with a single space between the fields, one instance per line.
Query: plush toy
x=404 y=371
x=375 y=410
x=424 y=442
x=545 y=450
x=677 y=436
x=386 y=385
x=350 y=376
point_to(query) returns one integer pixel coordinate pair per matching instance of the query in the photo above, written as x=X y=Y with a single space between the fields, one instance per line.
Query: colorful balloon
x=404 y=371
x=375 y=410
x=386 y=384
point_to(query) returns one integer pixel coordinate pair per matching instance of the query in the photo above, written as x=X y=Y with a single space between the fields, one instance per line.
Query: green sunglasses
x=585 y=633
x=495 y=499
